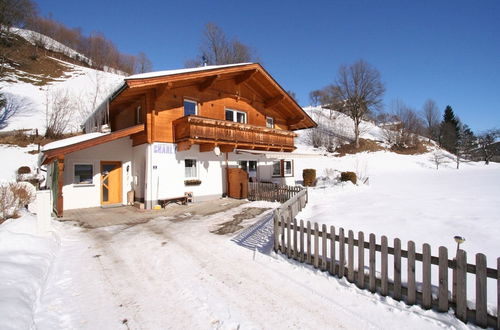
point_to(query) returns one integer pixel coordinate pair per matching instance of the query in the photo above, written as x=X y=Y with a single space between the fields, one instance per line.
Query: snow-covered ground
x=168 y=274
x=407 y=198
x=25 y=260
x=13 y=158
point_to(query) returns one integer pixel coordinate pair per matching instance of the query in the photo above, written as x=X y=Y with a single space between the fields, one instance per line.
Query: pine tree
x=449 y=130
x=466 y=143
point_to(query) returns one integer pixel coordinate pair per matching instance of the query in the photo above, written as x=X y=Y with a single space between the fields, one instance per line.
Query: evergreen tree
x=466 y=143
x=449 y=130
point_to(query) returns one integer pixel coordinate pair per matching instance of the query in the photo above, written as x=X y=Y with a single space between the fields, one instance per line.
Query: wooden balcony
x=228 y=135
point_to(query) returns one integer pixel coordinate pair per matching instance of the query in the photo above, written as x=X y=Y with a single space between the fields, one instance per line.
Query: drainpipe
x=227 y=175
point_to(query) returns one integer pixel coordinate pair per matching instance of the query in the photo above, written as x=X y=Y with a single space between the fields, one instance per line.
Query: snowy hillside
x=85 y=88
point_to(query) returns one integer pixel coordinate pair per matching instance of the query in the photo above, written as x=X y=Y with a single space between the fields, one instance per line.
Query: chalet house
x=178 y=131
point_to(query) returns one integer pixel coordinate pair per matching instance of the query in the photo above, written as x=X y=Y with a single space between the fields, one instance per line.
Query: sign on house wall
x=163 y=148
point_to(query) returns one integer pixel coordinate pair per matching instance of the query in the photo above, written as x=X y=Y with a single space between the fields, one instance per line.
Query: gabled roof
x=62 y=147
x=251 y=74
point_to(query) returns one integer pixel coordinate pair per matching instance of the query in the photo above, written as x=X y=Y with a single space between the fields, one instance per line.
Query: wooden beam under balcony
x=207 y=83
x=273 y=101
x=245 y=77
x=183 y=145
x=204 y=147
x=227 y=147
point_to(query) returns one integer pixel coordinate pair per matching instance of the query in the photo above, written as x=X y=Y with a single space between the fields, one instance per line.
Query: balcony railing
x=206 y=130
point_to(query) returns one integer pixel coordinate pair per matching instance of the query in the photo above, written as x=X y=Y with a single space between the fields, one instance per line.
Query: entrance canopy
x=275 y=154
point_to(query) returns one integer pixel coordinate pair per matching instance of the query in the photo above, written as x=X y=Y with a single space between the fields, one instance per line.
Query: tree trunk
x=356 y=134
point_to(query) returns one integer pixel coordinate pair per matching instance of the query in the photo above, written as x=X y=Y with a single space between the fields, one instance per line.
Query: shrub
x=348 y=176
x=309 y=177
x=15 y=196
x=24 y=170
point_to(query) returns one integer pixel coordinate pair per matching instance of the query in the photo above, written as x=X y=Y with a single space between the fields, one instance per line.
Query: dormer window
x=190 y=107
x=138 y=117
x=236 y=116
x=269 y=122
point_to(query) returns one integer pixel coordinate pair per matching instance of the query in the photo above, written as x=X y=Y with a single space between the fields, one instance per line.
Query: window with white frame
x=236 y=116
x=282 y=168
x=190 y=169
x=190 y=107
x=269 y=122
x=83 y=174
x=250 y=166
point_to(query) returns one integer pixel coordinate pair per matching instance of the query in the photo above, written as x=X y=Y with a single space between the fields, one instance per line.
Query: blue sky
x=445 y=50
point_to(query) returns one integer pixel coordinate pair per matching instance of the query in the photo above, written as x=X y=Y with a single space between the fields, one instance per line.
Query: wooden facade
x=158 y=102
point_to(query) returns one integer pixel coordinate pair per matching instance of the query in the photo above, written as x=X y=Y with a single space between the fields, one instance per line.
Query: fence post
x=295 y=251
x=498 y=293
x=282 y=221
x=426 y=277
x=316 y=245
x=481 y=292
x=276 y=231
x=461 y=311
x=332 y=250
x=341 y=253
x=397 y=269
x=323 y=245
x=350 y=256
x=308 y=259
x=301 y=234
x=412 y=290
x=361 y=260
x=288 y=237
x=443 y=279
x=373 y=280
x=384 y=290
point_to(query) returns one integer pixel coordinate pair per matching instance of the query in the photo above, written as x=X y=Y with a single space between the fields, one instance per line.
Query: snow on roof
x=179 y=71
x=72 y=140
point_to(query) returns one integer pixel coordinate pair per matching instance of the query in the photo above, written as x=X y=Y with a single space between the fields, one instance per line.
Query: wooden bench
x=181 y=199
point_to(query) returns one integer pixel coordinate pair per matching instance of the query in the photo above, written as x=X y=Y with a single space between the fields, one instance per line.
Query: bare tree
x=143 y=64
x=59 y=106
x=358 y=91
x=216 y=49
x=15 y=13
x=487 y=144
x=11 y=105
x=466 y=144
x=430 y=114
x=438 y=158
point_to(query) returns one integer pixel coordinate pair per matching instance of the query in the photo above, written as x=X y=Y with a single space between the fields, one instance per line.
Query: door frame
x=120 y=193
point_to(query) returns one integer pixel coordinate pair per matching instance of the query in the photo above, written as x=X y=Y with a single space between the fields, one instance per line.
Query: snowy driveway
x=167 y=274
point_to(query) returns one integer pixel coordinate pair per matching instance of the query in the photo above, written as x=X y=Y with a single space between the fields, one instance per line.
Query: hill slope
x=56 y=72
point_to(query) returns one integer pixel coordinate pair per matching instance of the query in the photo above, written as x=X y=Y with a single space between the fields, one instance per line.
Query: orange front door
x=111 y=183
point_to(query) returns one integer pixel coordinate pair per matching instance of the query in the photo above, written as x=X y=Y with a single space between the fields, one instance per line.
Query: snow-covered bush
x=14 y=196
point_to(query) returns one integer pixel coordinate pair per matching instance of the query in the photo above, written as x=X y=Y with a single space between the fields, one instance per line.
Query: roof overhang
x=57 y=153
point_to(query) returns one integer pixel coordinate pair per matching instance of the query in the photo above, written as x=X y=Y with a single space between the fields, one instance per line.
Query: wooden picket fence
x=326 y=250
x=272 y=192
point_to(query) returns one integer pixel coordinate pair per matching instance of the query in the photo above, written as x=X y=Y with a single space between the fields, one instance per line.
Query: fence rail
x=334 y=251
x=272 y=192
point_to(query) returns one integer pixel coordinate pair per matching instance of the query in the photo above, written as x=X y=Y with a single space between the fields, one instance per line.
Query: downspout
x=227 y=175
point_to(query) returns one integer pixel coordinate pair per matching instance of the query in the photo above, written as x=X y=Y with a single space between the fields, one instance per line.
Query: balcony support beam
x=207 y=83
x=244 y=77
x=183 y=145
x=274 y=101
x=205 y=147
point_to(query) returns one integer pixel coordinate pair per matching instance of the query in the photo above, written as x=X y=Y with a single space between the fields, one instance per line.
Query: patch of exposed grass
x=21 y=139
x=364 y=145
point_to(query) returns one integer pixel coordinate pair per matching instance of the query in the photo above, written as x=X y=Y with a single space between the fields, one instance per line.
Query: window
x=287 y=168
x=236 y=116
x=269 y=122
x=250 y=166
x=277 y=168
x=283 y=168
x=138 y=117
x=190 y=107
x=83 y=174
x=190 y=169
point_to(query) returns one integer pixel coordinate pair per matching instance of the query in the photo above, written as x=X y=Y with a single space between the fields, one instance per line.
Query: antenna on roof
x=204 y=60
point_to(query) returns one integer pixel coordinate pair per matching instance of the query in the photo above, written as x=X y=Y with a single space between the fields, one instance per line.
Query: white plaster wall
x=168 y=173
x=81 y=196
